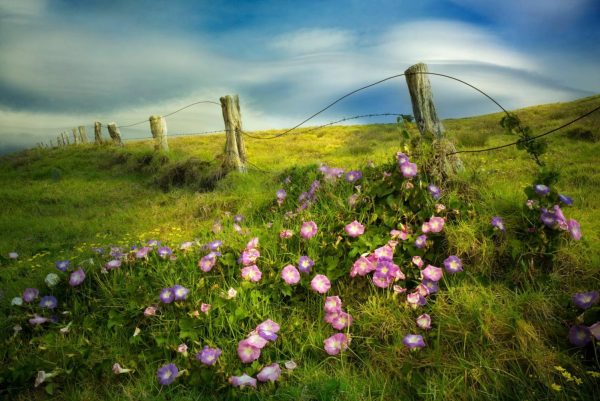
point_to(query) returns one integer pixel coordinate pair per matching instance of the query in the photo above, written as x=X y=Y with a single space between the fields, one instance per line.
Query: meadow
x=499 y=329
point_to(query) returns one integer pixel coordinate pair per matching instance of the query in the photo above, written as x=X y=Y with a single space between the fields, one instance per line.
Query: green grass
x=499 y=330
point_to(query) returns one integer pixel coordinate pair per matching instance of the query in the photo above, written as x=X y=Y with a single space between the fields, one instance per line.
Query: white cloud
x=313 y=41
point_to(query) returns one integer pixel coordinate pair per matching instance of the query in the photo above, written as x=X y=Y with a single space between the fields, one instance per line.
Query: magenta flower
x=435 y=192
x=164 y=252
x=242 y=381
x=353 y=175
x=63 y=265
x=341 y=320
x=308 y=229
x=414 y=341
x=453 y=264
x=332 y=304
x=247 y=352
x=48 y=302
x=268 y=325
x=167 y=295
x=204 y=308
x=417 y=261
x=408 y=169
x=574 y=229
x=320 y=284
x=424 y=321
x=425 y=227
x=432 y=273
x=580 y=336
x=179 y=292
x=585 y=300
x=541 y=189
x=251 y=273
x=77 y=277
x=206 y=263
x=421 y=241
x=269 y=373
x=290 y=275
x=336 y=343
x=436 y=224
x=30 y=294
x=401 y=158
x=256 y=341
x=142 y=252
x=249 y=256
x=354 y=229
x=305 y=264
x=361 y=267
x=167 y=374
x=286 y=234
x=385 y=252
x=498 y=223
x=208 y=356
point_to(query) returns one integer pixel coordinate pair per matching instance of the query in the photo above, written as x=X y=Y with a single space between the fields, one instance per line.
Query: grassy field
x=499 y=329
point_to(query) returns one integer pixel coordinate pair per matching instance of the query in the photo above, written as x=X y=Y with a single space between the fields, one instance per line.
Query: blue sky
x=67 y=63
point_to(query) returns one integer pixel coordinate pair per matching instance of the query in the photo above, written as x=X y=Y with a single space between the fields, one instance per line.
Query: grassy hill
x=499 y=328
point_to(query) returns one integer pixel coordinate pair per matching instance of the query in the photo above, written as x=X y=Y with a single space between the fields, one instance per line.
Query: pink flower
x=290 y=275
x=308 y=229
x=386 y=252
x=204 y=308
x=436 y=224
x=415 y=299
x=251 y=273
x=182 y=348
x=336 y=343
x=150 y=311
x=417 y=261
x=408 y=169
x=269 y=373
x=432 y=273
x=247 y=352
x=286 y=234
x=332 y=304
x=256 y=341
x=249 y=256
x=242 y=381
x=252 y=244
x=341 y=321
x=320 y=284
x=424 y=321
x=355 y=229
x=361 y=267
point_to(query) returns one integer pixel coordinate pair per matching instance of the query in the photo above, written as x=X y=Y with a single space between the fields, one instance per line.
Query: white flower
x=13 y=255
x=290 y=365
x=231 y=293
x=66 y=329
x=18 y=301
x=52 y=279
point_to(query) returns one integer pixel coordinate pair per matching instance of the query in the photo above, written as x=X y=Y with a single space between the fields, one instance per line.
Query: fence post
x=158 y=127
x=97 y=133
x=115 y=134
x=75 y=136
x=83 y=134
x=441 y=164
x=235 y=151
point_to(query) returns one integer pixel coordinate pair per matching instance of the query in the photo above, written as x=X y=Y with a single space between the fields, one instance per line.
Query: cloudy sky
x=65 y=63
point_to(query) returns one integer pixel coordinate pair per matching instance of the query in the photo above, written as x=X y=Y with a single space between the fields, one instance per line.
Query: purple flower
x=48 y=302
x=247 y=352
x=320 y=284
x=269 y=373
x=498 y=223
x=215 y=245
x=424 y=321
x=62 y=265
x=238 y=218
x=164 y=252
x=413 y=341
x=574 y=229
x=354 y=229
x=453 y=264
x=436 y=224
x=30 y=294
x=281 y=194
x=153 y=242
x=290 y=275
x=268 y=325
x=167 y=373
x=432 y=273
x=113 y=264
x=251 y=273
x=353 y=175
x=208 y=356
x=408 y=169
x=249 y=256
x=580 y=335
x=167 y=295
x=308 y=229
x=179 y=292
x=362 y=267
x=385 y=252
x=548 y=218
x=435 y=192
x=98 y=251
x=242 y=381
x=142 y=252
x=206 y=263
x=541 y=189
x=332 y=304
x=585 y=300
x=37 y=319
x=401 y=158
x=77 y=277
x=421 y=241
x=567 y=200
x=305 y=264
x=336 y=343
x=415 y=300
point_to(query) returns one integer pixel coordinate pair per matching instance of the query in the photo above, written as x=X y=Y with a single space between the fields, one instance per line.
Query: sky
x=68 y=63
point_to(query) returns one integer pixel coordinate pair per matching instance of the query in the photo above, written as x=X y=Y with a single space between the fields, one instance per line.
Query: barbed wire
x=170 y=114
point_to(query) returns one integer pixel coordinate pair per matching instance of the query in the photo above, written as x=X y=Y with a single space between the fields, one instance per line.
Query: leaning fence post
x=235 y=151
x=75 y=136
x=441 y=164
x=83 y=134
x=115 y=134
x=97 y=133
x=158 y=127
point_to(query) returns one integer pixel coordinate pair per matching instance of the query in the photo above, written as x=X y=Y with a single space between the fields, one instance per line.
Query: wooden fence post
x=115 y=134
x=75 y=136
x=235 y=151
x=65 y=138
x=158 y=127
x=83 y=134
x=441 y=164
x=97 y=133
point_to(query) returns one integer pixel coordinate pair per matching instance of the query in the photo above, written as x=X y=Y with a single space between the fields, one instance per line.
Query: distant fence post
x=83 y=134
x=65 y=138
x=75 y=136
x=115 y=134
x=97 y=133
x=441 y=165
x=235 y=151
x=158 y=127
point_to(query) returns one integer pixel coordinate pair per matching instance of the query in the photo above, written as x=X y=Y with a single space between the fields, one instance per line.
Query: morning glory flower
x=436 y=224
x=453 y=264
x=335 y=344
x=167 y=295
x=37 y=319
x=186 y=246
x=16 y=301
x=268 y=325
x=208 y=356
x=421 y=241
x=435 y=192
x=341 y=321
x=286 y=234
x=251 y=273
x=290 y=275
x=52 y=279
x=256 y=341
x=142 y=252
x=182 y=348
x=247 y=352
x=585 y=300
x=422 y=289
x=179 y=292
x=424 y=321
x=541 y=189
x=580 y=335
x=231 y=293
x=320 y=284
x=30 y=294
x=249 y=256
x=113 y=264
x=281 y=195
x=204 y=308
x=167 y=374
x=305 y=264
x=413 y=341
x=164 y=251
x=432 y=273
x=62 y=265
x=48 y=302
x=567 y=200
x=408 y=169
x=401 y=158
x=353 y=175
x=269 y=373
x=77 y=277
x=432 y=286
x=153 y=243
x=290 y=365
x=415 y=300
x=362 y=267
x=417 y=261
x=574 y=229
x=13 y=255
x=150 y=311
x=332 y=304
x=498 y=223
x=385 y=252
x=215 y=245
x=206 y=263
x=118 y=369
x=242 y=381
x=308 y=229
x=548 y=218
x=354 y=229
x=238 y=218
x=595 y=330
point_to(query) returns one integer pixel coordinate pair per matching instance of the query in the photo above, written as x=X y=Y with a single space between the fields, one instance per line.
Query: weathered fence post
x=83 y=134
x=158 y=127
x=115 y=134
x=65 y=138
x=75 y=136
x=235 y=151
x=97 y=133
x=441 y=164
